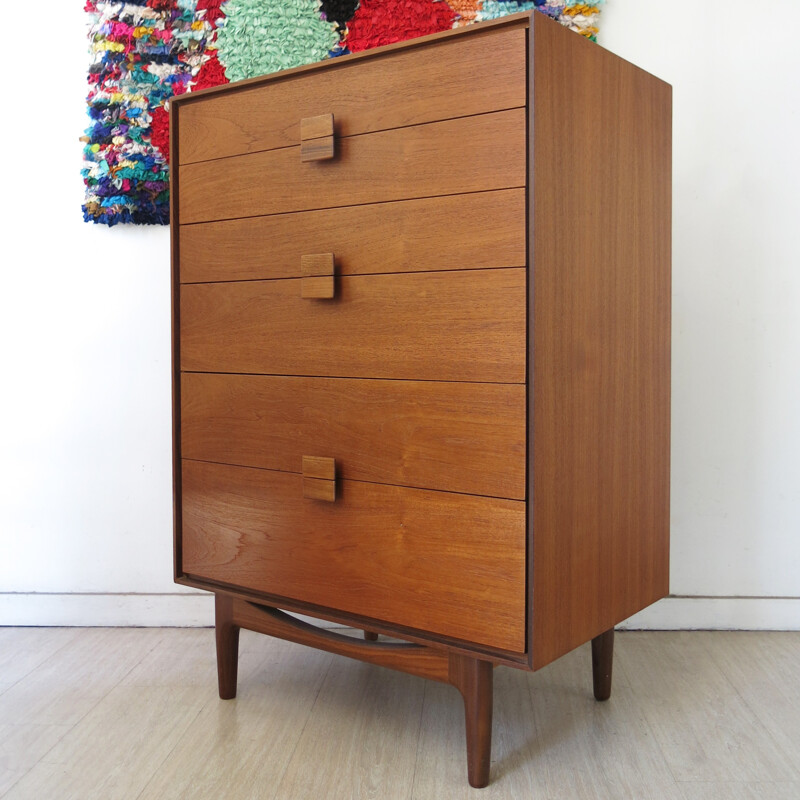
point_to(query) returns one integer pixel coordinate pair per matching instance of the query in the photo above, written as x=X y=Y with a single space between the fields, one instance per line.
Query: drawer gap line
x=354 y=135
x=357 y=480
x=471 y=270
x=352 y=205
x=346 y=377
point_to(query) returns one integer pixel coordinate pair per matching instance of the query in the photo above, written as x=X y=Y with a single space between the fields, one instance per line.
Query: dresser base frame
x=471 y=676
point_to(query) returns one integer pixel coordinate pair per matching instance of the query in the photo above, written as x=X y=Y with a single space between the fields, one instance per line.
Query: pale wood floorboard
x=24 y=649
x=90 y=764
x=741 y=791
x=706 y=731
x=764 y=668
x=239 y=749
x=22 y=745
x=133 y=714
x=373 y=755
x=58 y=682
x=65 y=686
x=590 y=749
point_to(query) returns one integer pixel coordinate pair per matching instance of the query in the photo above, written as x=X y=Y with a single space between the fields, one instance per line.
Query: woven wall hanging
x=145 y=51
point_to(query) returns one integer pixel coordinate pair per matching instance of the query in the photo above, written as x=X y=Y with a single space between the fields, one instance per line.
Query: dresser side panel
x=600 y=220
x=175 y=364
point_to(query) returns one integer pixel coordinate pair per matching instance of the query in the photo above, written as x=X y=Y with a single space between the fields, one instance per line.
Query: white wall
x=736 y=297
x=85 y=475
x=85 y=504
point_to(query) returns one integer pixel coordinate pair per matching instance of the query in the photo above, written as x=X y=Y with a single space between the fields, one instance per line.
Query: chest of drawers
x=421 y=354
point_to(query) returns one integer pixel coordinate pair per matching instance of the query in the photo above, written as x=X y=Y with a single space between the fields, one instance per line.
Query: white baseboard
x=185 y=610
x=181 y=610
x=718 y=613
x=178 y=610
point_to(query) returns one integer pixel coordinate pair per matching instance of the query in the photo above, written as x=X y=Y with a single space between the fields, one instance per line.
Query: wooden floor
x=133 y=714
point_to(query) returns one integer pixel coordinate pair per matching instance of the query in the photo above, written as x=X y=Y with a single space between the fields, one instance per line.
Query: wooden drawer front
x=470 y=154
x=445 y=563
x=375 y=92
x=458 y=437
x=468 y=231
x=447 y=326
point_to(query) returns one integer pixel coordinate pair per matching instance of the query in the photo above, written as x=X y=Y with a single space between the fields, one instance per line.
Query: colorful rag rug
x=143 y=53
x=146 y=51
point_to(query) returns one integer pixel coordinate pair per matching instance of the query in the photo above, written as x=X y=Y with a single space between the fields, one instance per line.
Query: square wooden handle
x=316 y=138
x=319 y=478
x=317 y=271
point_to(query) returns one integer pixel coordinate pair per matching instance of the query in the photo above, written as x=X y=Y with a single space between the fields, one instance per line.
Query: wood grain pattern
x=317 y=127
x=416 y=659
x=313 y=264
x=318 y=149
x=375 y=328
x=602 y=664
x=316 y=138
x=321 y=287
x=584 y=541
x=469 y=231
x=317 y=270
x=473 y=678
x=470 y=154
x=175 y=362
x=372 y=92
x=317 y=489
x=454 y=437
x=601 y=341
x=438 y=562
x=319 y=467
x=522 y=752
x=319 y=478
x=227 y=640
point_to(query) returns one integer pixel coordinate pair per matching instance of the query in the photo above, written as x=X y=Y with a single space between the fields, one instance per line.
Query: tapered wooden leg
x=602 y=662
x=227 y=646
x=473 y=678
x=371 y=636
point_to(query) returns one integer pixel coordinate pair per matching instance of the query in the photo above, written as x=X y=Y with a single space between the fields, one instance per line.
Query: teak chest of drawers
x=422 y=353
